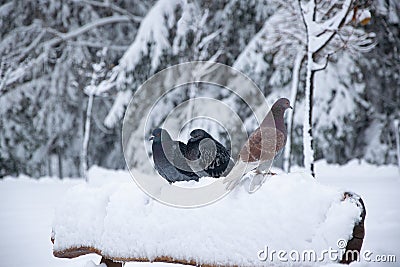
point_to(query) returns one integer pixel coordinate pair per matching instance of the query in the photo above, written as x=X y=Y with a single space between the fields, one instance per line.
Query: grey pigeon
x=168 y=156
x=261 y=147
x=207 y=156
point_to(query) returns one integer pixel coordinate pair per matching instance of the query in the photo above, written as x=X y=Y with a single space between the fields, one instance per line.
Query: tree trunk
x=310 y=122
x=397 y=133
x=60 y=172
x=86 y=137
x=191 y=108
x=49 y=169
x=295 y=84
x=308 y=148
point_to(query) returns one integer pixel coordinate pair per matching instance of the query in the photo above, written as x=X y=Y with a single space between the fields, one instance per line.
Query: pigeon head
x=275 y=117
x=198 y=134
x=159 y=134
x=280 y=106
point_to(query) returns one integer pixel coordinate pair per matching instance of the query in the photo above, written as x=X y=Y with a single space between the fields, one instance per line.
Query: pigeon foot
x=257 y=181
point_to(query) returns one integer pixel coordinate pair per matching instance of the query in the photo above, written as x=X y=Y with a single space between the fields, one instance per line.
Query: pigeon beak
x=151 y=138
x=291 y=107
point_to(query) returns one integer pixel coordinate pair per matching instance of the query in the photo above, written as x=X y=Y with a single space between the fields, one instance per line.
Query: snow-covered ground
x=27 y=211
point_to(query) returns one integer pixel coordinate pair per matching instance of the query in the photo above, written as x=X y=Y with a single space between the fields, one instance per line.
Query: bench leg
x=110 y=263
x=354 y=245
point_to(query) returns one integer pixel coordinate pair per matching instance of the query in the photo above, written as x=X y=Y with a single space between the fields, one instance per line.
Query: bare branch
x=114 y=7
x=53 y=31
x=293 y=34
x=286 y=4
x=319 y=68
x=392 y=38
x=3 y=82
x=33 y=45
x=330 y=9
x=99 y=45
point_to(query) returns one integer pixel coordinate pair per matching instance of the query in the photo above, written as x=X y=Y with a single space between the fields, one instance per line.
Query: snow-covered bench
x=290 y=212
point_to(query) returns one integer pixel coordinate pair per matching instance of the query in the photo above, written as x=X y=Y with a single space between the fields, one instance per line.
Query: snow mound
x=289 y=212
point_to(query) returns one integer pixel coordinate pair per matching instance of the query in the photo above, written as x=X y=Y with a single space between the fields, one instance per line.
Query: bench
x=121 y=224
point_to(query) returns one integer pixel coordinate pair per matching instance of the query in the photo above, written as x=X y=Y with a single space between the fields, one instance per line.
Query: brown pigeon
x=262 y=146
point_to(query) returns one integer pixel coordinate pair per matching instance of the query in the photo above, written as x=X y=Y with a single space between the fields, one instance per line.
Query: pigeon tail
x=237 y=173
x=228 y=169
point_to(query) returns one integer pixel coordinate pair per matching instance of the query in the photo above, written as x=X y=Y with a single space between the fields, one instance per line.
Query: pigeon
x=168 y=156
x=261 y=147
x=207 y=156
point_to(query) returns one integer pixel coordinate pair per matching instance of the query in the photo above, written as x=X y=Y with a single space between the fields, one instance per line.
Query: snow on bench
x=291 y=212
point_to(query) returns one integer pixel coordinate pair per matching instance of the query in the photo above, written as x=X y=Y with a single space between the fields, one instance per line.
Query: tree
x=381 y=89
x=91 y=91
x=284 y=36
x=321 y=31
x=293 y=95
x=396 y=126
x=46 y=51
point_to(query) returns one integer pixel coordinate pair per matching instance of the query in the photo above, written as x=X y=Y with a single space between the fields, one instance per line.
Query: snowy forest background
x=58 y=57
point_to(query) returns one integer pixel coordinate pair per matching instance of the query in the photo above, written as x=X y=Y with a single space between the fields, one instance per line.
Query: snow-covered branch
x=292 y=33
x=32 y=46
x=85 y=28
x=209 y=38
x=320 y=33
x=21 y=71
x=152 y=39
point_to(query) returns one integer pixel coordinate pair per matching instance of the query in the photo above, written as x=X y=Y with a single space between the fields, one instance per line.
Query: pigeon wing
x=263 y=144
x=208 y=152
x=222 y=159
x=180 y=162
